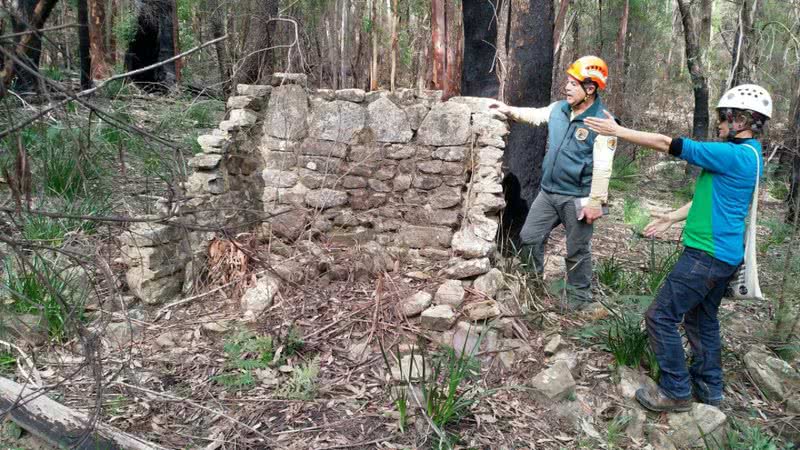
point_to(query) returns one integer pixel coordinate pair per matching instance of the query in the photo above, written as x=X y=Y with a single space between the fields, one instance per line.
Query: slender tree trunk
x=576 y=38
x=343 y=47
x=84 y=44
x=67 y=43
x=529 y=82
x=706 y=13
x=257 y=64
x=695 y=66
x=395 y=20
x=97 y=21
x=455 y=42
x=744 y=46
x=619 y=66
x=503 y=26
x=111 y=39
x=424 y=68
x=438 y=35
x=217 y=30
x=558 y=29
x=480 y=35
x=332 y=55
x=794 y=150
x=600 y=43
x=373 y=67
x=176 y=44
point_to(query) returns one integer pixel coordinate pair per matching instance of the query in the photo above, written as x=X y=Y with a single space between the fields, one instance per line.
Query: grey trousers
x=546 y=213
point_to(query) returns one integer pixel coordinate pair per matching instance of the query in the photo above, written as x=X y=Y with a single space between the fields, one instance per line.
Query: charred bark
x=528 y=84
x=153 y=42
x=480 y=34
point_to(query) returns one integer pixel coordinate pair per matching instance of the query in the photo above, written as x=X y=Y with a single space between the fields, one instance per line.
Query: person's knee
x=532 y=237
x=653 y=318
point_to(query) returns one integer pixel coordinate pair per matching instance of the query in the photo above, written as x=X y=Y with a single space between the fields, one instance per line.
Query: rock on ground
x=259 y=297
x=554 y=383
x=688 y=429
x=438 y=318
x=417 y=303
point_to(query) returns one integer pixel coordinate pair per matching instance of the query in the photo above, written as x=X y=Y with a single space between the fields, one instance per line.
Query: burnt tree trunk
x=84 y=44
x=528 y=84
x=794 y=154
x=706 y=13
x=97 y=39
x=480 y=33
x=694 y=62
x=153 y=42
x=176 y=45
x=31 y=15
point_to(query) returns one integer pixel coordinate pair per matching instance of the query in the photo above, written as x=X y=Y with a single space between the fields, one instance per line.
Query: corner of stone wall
x=474 y=243
x=164 y=259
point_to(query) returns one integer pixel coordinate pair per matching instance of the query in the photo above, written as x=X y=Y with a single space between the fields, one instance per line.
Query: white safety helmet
x=747 y=96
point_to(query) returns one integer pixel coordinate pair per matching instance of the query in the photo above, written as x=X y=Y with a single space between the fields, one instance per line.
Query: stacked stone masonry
x=403 y=169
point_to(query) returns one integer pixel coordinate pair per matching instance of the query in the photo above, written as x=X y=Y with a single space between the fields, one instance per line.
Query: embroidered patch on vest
x=581 y=134
x=612 y=143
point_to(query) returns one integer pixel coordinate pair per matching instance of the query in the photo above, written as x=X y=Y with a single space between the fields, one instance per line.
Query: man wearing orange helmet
x=575 y=174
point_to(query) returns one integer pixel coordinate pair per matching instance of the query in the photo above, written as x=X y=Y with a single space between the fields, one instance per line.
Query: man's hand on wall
x=502 y=108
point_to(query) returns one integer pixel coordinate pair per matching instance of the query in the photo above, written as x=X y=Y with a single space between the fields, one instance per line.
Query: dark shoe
x=655 y=400
x=697 y=394
x=715 y=403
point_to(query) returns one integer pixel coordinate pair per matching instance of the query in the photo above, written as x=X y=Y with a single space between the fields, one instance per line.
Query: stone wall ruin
x=419 y=176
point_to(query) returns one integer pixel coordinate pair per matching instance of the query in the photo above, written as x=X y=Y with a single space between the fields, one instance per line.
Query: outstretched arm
x=532 y=116
x=610 y=127
x=662 y=222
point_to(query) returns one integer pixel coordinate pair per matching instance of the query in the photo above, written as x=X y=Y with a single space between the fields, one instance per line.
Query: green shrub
x=302 y=385
x=52 y=230
x=39 y=289
x=742 y=436
x=244 y=352
x=626 y=340
x=8 y=362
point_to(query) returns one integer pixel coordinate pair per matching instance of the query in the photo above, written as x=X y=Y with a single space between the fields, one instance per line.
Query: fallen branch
x=59 y=425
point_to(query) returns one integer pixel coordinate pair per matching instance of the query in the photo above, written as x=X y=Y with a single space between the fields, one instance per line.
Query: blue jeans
x=691 y=293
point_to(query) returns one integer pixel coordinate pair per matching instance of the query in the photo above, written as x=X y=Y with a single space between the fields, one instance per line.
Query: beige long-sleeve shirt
x=602 y=152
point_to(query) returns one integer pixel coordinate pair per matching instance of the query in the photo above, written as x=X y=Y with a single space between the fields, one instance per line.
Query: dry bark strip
x=60 y=425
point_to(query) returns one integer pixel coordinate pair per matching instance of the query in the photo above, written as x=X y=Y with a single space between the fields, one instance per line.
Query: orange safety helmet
x=590 y=68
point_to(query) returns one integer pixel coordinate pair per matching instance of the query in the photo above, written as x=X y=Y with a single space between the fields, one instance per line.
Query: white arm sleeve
x=532 y=116
x=603 y=154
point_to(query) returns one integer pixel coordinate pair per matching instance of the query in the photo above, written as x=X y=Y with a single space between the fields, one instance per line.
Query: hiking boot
x=715 y=403
x=655 y=400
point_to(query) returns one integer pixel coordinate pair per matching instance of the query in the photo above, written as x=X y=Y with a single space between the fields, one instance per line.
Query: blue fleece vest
x=569 y=160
